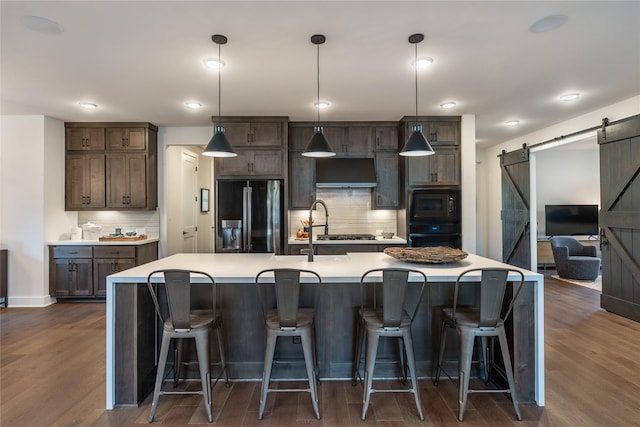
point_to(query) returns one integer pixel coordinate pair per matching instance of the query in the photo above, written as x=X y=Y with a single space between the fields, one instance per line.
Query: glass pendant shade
x=219 y=145
x=318 y=145
x=417 y=144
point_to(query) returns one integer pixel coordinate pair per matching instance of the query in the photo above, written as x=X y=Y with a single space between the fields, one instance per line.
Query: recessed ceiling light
x=422 y=63
x=448 y=105
x=41 y=25
x=193 y=105
x=214 y=63
x=548 y=23
x=512 y=122
x=569 y=96
x=322 y=105
x=88 y=105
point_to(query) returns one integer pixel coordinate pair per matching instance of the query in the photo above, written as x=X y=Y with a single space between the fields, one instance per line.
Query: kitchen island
x=132 y=328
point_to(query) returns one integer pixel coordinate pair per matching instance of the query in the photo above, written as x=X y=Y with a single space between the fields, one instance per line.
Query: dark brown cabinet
x=108 y=260
x=254 y=133
x=80 y=271
x=358 y=141
x=126 y=180
x=134 y=138
x=342 y=249
x=252 y=163
x=85 y=181
x=85 y=139
x=119 y=175
x=71 y=270
x=441 y=168
x=260 y=144
x=386 y=195
x=302 y=189
x=387 y=137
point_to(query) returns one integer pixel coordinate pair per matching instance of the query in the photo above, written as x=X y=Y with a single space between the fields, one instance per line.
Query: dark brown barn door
x=620 y=217
x=516 y=246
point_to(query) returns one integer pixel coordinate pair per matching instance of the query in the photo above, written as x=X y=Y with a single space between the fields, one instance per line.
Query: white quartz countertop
x=242 y=268
x=395 y=240
x=103 y=243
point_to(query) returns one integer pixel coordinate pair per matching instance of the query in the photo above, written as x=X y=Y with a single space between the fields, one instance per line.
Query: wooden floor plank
x=52 y=374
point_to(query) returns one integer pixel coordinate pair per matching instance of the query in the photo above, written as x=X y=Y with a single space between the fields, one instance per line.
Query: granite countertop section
x=395 y=240
x=106 y=243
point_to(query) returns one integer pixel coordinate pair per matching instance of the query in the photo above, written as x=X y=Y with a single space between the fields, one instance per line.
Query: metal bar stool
x=484 y=321
x=387 y=318
x=288 y=319
x=183 y=322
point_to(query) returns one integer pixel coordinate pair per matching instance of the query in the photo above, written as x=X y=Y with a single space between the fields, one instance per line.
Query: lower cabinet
x=81 y=271
x=342 y=248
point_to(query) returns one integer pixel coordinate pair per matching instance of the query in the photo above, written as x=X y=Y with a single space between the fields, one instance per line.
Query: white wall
x=491 y=246
x=32 y=208
x=566 y=177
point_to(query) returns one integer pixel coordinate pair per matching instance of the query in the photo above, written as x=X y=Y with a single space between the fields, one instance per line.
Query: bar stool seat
x=288 y=318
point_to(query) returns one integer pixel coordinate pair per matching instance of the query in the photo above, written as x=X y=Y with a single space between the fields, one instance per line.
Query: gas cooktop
x=346 y=237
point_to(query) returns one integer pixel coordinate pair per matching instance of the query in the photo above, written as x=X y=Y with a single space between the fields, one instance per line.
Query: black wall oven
x=434 y=218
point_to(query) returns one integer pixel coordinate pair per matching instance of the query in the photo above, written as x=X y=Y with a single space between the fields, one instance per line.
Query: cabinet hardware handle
x=73 y=253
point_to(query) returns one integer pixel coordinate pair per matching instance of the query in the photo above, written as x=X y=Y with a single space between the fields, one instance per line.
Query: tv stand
x=545 y=255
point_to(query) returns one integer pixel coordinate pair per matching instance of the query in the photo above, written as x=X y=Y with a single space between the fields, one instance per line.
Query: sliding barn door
x=620 y=217
x=516 y=247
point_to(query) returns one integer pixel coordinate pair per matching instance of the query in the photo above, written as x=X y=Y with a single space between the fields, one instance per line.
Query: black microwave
x=438 y=205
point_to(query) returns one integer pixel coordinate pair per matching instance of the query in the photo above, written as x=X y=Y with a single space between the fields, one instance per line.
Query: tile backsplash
x=127 y=220
x=350 y=212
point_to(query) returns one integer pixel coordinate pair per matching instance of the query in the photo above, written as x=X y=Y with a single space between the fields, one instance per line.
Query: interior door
x=620 y=217
x=189 y=202
x=516 y=235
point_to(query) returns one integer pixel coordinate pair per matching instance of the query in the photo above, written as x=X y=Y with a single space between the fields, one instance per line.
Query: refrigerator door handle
x=246 y=219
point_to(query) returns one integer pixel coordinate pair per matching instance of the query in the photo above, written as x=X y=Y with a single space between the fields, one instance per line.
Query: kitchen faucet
x=326 y=226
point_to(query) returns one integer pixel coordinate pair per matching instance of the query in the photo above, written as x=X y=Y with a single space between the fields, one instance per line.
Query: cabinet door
x=358 y=141
x=266 y=134
x=299 y=138
x=267 y=162
x=239 y=165
x=302 y=190
x=102 y=267
x=335 y=137
x=441 y=168
x=84 y=181
x=126 y=139
x=238 y=134
x=387 y=192
x=85 y=138
x=443 y=133
x=126 y=180
x=387 y=138
x=73 y=277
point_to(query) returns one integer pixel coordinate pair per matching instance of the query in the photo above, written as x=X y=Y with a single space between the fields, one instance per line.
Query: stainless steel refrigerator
x=250 y=216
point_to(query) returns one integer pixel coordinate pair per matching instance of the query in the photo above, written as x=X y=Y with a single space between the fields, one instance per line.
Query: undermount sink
x=303 y=258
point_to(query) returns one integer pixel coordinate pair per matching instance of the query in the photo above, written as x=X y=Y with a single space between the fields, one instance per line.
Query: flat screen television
x=571 y=220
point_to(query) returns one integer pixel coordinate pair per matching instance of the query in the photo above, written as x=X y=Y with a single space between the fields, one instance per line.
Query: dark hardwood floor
x=53 y=368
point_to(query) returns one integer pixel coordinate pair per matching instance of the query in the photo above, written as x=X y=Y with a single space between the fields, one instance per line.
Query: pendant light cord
x=415 y=66
x=318 y=80
x=220 y=86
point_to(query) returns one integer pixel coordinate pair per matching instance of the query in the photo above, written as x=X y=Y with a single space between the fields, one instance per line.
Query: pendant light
x=219 y=145
x=417 y=144
x=318 y=145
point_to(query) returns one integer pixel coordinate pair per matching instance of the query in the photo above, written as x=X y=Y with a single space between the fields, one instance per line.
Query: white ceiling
x=141 y=61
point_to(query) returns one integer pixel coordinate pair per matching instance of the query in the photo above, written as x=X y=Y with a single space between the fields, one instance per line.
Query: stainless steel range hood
x=345 y=172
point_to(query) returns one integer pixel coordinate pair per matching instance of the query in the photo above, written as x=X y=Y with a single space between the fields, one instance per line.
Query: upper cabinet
x=441 y=168
x=261 y=147
x=111 y=166
x=126 y=139
x=85 y=139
